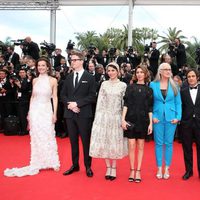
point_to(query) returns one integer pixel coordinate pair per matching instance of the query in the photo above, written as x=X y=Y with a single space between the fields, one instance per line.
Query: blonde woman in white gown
x=44 y=153
x=107 y=139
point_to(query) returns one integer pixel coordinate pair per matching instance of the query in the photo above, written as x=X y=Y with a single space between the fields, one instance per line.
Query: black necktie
x=76 y=80
x=193 y=87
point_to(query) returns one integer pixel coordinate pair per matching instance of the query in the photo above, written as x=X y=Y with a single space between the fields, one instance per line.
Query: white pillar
x=130 y=22
x=53 y=26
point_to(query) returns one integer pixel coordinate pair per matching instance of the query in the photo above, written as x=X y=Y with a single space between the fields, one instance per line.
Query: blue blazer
x=168 y=108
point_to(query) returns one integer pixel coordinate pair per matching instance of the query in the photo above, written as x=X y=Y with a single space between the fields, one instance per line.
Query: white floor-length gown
x=44 y=153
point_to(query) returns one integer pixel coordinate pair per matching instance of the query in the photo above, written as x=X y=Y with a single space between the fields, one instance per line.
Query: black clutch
x=130 y=126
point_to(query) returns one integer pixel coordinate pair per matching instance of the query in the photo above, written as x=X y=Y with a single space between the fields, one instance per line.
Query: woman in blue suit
x=166 y=114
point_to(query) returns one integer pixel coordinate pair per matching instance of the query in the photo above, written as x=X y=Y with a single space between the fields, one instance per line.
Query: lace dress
x=107 y=139
x=44 y=153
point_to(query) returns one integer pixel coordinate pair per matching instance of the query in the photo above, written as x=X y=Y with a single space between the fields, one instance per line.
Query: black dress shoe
x=89 y=172
x=71 y=170
x=187 y=175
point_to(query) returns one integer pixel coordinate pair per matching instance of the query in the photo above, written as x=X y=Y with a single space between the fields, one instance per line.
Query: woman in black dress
x=137 y=112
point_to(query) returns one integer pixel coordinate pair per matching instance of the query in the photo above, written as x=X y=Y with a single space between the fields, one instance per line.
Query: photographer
x=153 y=58
x=13 y=58
x=132 y=56
x=7 y=91
x=103 y=58
x=69 y=48
x=180 y=53
x=23 y=85
x=31 y=48
x=58 y=57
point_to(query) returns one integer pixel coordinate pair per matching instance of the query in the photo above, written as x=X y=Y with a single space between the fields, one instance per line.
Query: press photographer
x=48 y=48
x=180 y=53
x=69 y=48
x=23 y=85
x=131 y=56
x=154 y=55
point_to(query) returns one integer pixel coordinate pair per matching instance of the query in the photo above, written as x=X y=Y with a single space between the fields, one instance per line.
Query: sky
x=73 y=19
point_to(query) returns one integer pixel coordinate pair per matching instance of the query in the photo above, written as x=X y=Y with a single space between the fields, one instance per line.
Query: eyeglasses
x=74 y=60
x=169 y=70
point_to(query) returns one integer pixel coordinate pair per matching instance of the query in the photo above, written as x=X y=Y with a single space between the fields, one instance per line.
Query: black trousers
x=188 y=136
x=79 y=126
x=23 y=108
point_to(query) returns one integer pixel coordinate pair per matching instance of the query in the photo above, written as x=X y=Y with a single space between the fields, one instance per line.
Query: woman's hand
x=124 y=124
x=54 y=119
x=155 y=120
x=150 y=129
x=174 y=121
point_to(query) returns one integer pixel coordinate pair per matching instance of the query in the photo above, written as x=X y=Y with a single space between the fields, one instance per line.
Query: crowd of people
x=111 y=102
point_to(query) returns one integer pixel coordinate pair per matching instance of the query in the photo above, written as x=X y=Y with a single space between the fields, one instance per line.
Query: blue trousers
x=164 y=136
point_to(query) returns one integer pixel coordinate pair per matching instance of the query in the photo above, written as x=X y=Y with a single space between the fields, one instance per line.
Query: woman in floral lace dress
x=42 y=117
x=107 y=139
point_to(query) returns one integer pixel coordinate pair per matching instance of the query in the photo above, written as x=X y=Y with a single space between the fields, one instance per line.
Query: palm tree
x=193 y=52
x=87 y=39
x=169 y=38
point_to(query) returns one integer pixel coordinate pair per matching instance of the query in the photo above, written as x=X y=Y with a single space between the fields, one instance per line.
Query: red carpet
x=50 y=185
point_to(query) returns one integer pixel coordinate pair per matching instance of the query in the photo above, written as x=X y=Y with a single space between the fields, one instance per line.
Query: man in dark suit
x=78 y=94
x=31 y=48
x=23 y=96
x=190 y=122
x=154 y=58
x=7 y=92
x=180 y=53
x=13 y=58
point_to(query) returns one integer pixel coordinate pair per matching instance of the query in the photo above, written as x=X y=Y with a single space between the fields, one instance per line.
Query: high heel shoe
x=131 y=179
x=113 y=173
x=138 y=176
x=107 y=176
x=166 y=174
x=159 y=173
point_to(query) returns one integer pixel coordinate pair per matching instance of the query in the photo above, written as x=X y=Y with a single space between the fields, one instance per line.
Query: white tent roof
x=124 y=2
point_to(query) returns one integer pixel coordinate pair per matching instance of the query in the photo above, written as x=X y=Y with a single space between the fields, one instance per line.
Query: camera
x=49 y=48
x=112 y=52
x=70 y=45
x=13 y=77
x=91 y=50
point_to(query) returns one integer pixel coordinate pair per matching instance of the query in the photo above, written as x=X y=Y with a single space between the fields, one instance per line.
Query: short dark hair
x=192 y=70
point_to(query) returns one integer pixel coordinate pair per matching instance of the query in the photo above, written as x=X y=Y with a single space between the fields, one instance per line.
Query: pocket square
x=83 y=81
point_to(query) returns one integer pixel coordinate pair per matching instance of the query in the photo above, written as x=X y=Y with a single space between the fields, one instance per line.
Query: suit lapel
x=198 y=95
x=189 y=96
x=80 y=81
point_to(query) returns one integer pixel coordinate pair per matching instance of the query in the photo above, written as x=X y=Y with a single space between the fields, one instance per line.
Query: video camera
x=70 y=45
x=91 y=50
x=49 y=48
x=19 y=42
x=172 y=49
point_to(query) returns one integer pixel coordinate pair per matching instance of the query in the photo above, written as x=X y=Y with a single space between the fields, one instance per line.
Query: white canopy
x=54 y=5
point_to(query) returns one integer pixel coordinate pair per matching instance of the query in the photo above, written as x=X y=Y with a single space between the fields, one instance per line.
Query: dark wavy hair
x=49 y=67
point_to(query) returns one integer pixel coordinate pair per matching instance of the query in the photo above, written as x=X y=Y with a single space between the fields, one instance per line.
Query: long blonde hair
x=171 y=81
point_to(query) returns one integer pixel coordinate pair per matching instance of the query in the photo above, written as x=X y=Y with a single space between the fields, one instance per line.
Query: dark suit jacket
x=181 y=55
x=15 y=61
x=153 y=60
x=189 y=109
x=84 y=95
